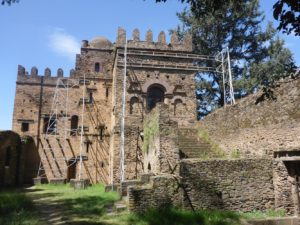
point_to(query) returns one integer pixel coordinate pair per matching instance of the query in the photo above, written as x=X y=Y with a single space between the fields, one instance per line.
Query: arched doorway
x=155 y=94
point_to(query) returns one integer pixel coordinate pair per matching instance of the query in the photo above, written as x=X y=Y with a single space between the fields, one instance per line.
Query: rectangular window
x=107 y=92
x=24 y=126
x=49 y=125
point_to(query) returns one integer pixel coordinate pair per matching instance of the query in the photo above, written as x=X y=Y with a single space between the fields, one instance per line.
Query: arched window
x=155 y=94
x=74 y=125
x=134 y=105
x=178 y=107
x=97 y=67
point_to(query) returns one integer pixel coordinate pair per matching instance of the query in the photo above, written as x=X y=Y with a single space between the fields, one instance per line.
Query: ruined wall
x=10 y=158
x=162 y=192
x=238 y=185
x=257 y=128
x=161 y=153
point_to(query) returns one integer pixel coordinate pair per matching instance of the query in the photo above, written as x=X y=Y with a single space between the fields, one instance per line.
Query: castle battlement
x=34 y=77
x=148 y=43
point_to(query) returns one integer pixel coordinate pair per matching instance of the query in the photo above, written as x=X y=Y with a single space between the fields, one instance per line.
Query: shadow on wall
x=19 y=159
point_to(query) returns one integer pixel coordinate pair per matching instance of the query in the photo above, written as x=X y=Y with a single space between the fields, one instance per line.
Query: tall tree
x=287 y=12
x=236 y=24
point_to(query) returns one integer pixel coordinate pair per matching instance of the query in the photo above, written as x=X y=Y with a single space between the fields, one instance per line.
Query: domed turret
x=101 y=43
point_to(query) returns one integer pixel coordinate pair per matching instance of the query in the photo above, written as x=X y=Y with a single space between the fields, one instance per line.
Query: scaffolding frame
x=223 y=68
x=59 y=115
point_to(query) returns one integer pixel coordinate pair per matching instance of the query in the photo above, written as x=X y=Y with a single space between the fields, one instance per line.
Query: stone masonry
x=157 y=71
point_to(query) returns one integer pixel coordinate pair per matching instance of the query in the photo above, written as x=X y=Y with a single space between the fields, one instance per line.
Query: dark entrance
x=71 y=169
x=155 y=94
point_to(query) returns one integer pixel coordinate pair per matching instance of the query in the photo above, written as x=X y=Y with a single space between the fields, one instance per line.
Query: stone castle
x=156 y=72
x=243 y=157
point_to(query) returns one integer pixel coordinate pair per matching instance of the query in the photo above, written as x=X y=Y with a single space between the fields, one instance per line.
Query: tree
x=8 y=2
x=252 y=49
x=287 y=12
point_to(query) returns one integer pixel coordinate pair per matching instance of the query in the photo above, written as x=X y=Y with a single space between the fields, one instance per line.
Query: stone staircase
x=191 y=145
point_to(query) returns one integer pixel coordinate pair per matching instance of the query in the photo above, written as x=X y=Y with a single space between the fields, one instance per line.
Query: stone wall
x=19 y=160
x=163 y=191
x=238 y=185
x=257 y=128
x=161 y=152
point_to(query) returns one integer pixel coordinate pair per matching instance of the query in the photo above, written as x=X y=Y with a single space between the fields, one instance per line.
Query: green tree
x=8 y=2
x=287 y=12
x=252 y=49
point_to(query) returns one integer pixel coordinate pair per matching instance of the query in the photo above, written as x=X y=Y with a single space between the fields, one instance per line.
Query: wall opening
x=49 y=125
x=149 y=167
x=155 y=94
x=134 y=105
x=101 y=132
x=24 y=126
x=71 y=169
x=97 y=67
x=74 y=125
x=178 y=105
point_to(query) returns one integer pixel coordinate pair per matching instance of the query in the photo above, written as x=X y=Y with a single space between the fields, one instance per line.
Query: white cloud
x=64 y=44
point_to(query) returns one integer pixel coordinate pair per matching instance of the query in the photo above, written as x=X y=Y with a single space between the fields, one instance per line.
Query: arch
x=134 y=105
x=179 y=108
x=97 y=67
x=149 y=82
x=74 y=125
x=155 y=94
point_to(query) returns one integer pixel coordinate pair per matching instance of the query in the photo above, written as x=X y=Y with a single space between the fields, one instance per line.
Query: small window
x=7 y=156
x=107 y=92
x=24 y=127
x=74 y=125
x=90 y=97
x=101 y=132
x=97 y=67
x=49 y=125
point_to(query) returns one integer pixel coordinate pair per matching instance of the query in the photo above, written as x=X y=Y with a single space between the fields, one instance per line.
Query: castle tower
x=156 y=71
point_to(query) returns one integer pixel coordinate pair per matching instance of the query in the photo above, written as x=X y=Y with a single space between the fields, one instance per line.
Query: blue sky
x=48 y=33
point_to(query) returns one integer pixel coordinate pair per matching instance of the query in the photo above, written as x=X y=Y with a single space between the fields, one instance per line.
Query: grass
x=262 y=215
x=17 y=209
x=89 y=207
x=80 y=206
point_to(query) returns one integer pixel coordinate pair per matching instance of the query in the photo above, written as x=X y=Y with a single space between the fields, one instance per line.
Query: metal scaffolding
x=57 y=128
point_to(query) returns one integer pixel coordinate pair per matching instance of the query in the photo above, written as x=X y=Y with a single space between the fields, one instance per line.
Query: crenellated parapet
x=34 y=76
x=185 y=45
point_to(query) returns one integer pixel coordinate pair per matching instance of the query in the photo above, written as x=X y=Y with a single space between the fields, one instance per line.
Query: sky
x=48 y=33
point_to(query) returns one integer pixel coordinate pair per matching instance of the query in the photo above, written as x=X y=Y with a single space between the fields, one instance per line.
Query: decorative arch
x=135 y=105
x=155 y=94
x=179 y=106
x=168 y=88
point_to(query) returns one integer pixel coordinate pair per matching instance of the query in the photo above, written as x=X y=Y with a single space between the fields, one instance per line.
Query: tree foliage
x=8 y=2
x=287 y=12
x=258 y=56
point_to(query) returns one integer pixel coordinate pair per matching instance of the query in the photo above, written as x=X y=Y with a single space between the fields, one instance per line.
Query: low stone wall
x=238 y=185
x=275 y=221
x=162 y=191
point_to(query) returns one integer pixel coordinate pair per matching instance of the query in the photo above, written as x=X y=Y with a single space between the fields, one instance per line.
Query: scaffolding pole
x=122 y=150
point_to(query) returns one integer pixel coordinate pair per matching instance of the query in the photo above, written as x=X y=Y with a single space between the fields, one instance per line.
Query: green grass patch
x=262 y=215
x=17 y=209
x=77 y=206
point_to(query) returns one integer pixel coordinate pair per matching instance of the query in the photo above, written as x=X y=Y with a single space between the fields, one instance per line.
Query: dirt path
x=50 y=212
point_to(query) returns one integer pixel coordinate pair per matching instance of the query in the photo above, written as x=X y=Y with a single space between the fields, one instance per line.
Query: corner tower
x=156 y=71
